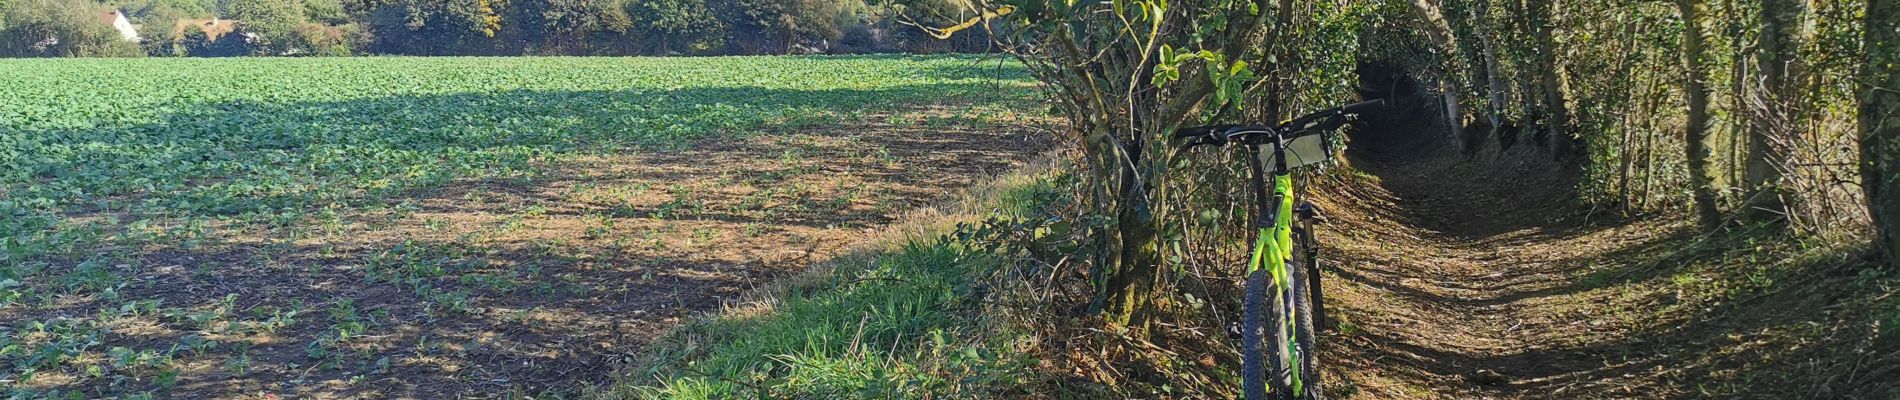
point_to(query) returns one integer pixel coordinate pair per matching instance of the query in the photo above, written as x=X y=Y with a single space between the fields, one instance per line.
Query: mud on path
x=1476 y=277
x=545 y=283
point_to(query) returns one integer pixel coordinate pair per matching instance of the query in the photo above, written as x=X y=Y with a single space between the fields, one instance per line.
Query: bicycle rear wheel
x=1304 y=334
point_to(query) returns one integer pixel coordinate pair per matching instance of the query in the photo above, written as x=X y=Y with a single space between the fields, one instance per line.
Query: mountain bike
x=1283 y=296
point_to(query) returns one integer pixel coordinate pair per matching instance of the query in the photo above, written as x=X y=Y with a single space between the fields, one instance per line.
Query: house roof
x=116 y=20
x=213 y=28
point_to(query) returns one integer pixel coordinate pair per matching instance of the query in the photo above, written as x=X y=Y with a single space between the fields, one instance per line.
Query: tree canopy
x=528 y=27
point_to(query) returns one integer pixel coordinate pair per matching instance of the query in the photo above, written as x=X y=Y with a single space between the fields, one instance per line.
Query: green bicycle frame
x=1272 y=248
x=1275 y=240
x=1281 y=233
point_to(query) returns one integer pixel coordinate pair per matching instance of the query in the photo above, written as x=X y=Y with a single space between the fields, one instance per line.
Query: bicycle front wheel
x=1279 y=349
x=1262 y=338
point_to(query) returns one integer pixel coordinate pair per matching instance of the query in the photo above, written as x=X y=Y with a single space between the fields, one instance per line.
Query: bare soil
x=1477 y=276
x=540 y=284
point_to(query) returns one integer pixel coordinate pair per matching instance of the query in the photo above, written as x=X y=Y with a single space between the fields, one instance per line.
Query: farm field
x=441 y=227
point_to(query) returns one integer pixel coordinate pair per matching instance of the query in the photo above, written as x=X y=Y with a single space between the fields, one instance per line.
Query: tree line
x=1775 y=114
x=72 y=28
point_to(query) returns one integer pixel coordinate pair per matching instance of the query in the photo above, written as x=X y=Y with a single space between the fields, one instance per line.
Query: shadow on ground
x=1473 y=276
x=463 y=245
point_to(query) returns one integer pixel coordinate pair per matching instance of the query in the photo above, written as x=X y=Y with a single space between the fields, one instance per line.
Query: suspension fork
x=1309 y=241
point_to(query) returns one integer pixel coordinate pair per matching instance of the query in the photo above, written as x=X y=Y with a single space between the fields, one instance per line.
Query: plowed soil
x=545 y=283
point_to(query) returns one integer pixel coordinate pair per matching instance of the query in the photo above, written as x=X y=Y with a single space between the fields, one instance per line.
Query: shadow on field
x=464 y=245
x=244 y=157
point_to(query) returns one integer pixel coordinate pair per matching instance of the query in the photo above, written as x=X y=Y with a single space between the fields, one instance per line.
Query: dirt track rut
x=1461 y=280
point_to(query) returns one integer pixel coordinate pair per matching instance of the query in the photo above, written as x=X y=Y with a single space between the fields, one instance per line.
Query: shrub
x=326 y=41
x=859 y=38
x=59 y=29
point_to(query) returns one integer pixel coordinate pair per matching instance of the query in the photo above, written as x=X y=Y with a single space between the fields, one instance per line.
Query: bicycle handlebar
x=1332 y=118
x=1318 y=121
x=1364 y=107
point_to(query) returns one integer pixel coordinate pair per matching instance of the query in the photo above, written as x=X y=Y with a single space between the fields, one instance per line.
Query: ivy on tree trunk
x=1880 y=126
x=1696 y=130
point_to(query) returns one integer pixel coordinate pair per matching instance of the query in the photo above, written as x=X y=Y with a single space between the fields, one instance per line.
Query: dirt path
x=1471 y=277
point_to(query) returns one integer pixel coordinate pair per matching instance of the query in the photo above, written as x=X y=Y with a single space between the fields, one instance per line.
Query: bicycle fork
x=1309 y=241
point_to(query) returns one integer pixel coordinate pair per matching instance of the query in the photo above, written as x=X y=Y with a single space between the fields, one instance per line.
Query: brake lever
x=1213 y=136
x=1201 y=141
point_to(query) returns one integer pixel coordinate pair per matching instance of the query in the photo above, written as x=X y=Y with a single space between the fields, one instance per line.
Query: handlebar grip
x=1200 y=131
x=1364 y=107
x=1202 y=135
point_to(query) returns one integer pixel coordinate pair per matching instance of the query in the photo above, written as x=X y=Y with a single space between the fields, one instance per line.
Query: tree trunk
x=1530 y=79
x=1442 y=36
x=1436 y=27
x=1139 y=262
x=1625 y=152
x=1880 y=126
x=1127 y=136
x=1780 y=39
x=1453 y=119
x=1653 y=97
x=1696 y=132
x=1557 y=111
x=1282 y=65
x=1649 y=161
x=1136 y=282
x=1491 y=84
x=1738 y=127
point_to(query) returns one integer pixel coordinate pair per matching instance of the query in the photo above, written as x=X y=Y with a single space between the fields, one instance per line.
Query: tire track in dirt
x=1460 y=277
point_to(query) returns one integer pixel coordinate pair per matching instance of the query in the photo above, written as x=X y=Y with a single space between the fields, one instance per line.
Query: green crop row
x=89 y=147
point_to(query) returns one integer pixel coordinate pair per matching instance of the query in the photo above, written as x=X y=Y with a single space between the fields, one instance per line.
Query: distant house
x=118 y=22
x=213 y=28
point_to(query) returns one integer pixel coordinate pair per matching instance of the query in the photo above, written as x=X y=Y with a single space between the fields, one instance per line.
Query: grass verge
x=944 y=308
x=1753 y=313
x=909 y=316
